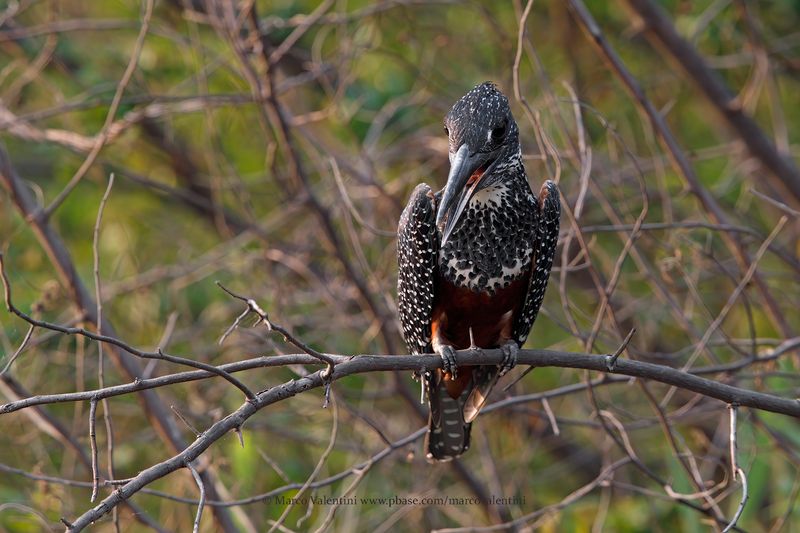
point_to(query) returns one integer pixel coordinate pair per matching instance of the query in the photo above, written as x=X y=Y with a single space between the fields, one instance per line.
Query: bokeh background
x=271 y=146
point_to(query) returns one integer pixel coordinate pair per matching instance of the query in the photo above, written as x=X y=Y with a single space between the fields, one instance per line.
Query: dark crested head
x=481 y=119
x=483 y=135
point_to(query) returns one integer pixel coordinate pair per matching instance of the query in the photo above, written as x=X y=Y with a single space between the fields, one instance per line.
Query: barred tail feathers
x=448 y=433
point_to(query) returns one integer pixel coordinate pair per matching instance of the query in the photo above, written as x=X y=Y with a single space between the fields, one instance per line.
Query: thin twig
x=745 y=281
x=612 y=359
x=551 y=416
x=202 y=502
x=337 y=176
x=101 y=375
x=253 y=307
x=185 y=422
x=18 y=351
x=93 y=446
x=307 y=21
x=736 y=469
x=780 y=205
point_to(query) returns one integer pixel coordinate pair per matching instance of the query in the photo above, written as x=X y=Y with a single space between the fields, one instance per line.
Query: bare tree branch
x=736 y=469
x=370 y=363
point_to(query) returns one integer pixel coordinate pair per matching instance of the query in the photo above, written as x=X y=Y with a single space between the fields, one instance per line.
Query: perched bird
x=473 y=263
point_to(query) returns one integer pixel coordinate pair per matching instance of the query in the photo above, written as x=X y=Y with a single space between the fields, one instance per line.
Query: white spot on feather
x=493 y=194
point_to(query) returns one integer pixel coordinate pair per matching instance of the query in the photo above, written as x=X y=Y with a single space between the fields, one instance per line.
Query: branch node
x=611 y=359
x=252 y=306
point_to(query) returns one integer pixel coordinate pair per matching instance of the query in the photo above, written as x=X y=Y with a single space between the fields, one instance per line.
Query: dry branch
x=346 y=366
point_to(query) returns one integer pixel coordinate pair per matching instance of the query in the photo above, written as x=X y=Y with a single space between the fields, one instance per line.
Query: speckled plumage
x=417 y=249
x=501 y=243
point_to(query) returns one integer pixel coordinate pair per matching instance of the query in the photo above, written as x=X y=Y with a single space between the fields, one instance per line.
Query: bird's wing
x=542 y=260
x=417 y=249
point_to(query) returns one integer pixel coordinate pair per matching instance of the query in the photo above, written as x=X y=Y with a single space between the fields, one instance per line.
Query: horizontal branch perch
x=543 y=358
x=346 y=366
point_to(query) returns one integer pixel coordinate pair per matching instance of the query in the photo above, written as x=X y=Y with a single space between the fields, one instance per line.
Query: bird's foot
x=510 y=351
x=448 y=355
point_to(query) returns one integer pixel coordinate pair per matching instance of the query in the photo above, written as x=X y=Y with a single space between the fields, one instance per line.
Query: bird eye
x=446 y=131
x=498 y=132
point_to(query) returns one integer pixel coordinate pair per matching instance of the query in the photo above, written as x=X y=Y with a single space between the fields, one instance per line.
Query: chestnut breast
x=456 y=309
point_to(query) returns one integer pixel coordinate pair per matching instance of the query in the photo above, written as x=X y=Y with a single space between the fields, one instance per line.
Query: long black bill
x=458 y=190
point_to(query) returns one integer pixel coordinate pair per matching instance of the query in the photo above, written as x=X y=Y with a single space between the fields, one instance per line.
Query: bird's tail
x=448 y=433
x=484 y=378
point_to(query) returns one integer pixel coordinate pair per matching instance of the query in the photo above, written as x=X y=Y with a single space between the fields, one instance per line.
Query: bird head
x=483 y=139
